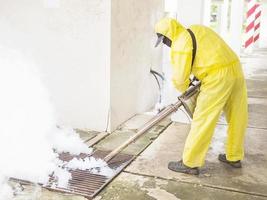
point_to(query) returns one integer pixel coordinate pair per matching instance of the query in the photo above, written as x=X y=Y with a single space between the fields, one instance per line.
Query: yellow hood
x=169 y=27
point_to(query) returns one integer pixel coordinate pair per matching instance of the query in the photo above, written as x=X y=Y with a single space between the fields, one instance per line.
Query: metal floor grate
x=84 y=182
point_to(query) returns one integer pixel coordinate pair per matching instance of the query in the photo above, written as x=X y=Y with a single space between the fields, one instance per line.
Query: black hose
x=157 y=80
x=157 y=73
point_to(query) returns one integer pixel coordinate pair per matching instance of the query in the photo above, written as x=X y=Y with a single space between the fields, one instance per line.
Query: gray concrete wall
x=133 y=89
x=70 y=43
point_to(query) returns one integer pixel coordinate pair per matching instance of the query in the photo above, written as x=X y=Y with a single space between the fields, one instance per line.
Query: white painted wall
x=94 y=55
x=133 y=88
x=70 y=43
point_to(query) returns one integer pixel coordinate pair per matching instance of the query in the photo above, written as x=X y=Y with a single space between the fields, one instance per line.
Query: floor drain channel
x=84 y=182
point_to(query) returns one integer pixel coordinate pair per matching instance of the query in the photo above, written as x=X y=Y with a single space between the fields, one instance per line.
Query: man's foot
x=235 y=164
x=182 y=168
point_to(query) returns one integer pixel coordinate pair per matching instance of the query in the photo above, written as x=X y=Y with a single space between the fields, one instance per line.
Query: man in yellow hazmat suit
x=223 y=88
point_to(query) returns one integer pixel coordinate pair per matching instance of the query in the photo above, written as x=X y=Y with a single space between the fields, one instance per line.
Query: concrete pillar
x=236 y=23
x=170 y=7
x=263 y=28
x=133 y=89
x=185 y=12
x=224 y=18
x=207 y=12
x=94 y=55
x=190 y=11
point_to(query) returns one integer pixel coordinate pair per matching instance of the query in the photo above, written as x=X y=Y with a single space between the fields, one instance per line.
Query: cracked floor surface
x=148 y=177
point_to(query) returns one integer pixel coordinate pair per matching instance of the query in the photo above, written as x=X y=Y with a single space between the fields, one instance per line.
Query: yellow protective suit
x=223 y=88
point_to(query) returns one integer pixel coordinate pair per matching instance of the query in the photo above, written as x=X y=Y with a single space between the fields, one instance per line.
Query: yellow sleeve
x=181 y=66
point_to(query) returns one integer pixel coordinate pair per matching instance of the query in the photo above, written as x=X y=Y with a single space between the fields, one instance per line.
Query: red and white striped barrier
x=257 y=23
x=251 y=7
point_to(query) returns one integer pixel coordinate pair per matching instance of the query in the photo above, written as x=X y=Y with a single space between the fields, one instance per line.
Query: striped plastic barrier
x=250 y=23
x=257 y=22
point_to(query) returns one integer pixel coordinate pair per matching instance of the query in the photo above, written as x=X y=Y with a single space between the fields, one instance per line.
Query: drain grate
x=84 y=182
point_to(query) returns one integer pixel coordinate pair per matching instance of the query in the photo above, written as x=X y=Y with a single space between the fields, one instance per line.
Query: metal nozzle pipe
x=160 y=116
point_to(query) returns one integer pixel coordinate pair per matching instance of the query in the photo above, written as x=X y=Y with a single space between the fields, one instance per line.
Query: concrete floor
x=148 y=178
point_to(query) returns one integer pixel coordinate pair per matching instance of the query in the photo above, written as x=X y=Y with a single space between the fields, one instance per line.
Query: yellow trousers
x=221 y=90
